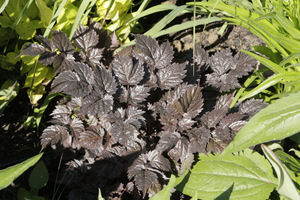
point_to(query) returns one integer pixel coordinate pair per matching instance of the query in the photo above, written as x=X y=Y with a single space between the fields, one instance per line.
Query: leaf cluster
x=140 y=116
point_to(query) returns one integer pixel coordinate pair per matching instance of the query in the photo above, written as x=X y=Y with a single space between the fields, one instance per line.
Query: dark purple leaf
x=61 y=42
x=252 y=106
x=76 y=128
x=244 y=64
x=64 y=62
x=181 y=149
x=92 y=138
x=75 y=84
x=33 y=50
x=224 y=82
x=167 y=141
x=122 y=132
x=53 y=134
x=185 y=123
x=94 y=56
x=127 y=72
x=135 y=117
x=212 y=118
x=199 y=137
x=105 y=81
x=192 y=101
x=85 y=38
x=229 y=119
x=61 y=110
x=156 y=56
x=46 y=42
x=224 y=101
x=171 y=76
x=97 y=103
x=222 y=61
x=134 y=95
x=201 y=56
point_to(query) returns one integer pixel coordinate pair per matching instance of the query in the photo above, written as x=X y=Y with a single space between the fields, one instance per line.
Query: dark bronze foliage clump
x=139 y=117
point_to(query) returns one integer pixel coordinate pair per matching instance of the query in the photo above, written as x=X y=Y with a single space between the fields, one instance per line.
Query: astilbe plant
x=137 y=117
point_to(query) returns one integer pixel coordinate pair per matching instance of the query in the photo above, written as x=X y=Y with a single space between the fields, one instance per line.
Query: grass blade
x=266 y=62
x=283 y=77
x=88 y=10
x=3 y=6
x=54 y=17
x=149 y=11
x=166 y=20
x=186 y=25
x=79 y=15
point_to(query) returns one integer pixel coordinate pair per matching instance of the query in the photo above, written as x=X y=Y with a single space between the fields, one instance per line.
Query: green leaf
x=266 y=62
x=39 y=176
x=289 y=161
x=100 y=195
x=40 y=112
x=4 y=5
x=45 y=12
x=286 y=187
x=166 y=20
x=278 y=78
x=165 y=193
x=83 y=6
x=8 y=175
x=276 y=122
x=248 y=174
x=55 y=16
x=36 y=76
x=23 y=194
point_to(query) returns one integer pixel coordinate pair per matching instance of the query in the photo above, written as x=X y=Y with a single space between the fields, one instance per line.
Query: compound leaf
x=171 y=76
x=85 y=38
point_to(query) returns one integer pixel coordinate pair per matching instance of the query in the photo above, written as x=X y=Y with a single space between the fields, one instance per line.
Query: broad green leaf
x=39 y=176
x=36 y=77
x=278 y=78
x=248 y=174
x=36 y=93
x=45 y=12
x=165 y=193
x=286 y=187
x=276 y=122
x=8 y=175
x=23 y=194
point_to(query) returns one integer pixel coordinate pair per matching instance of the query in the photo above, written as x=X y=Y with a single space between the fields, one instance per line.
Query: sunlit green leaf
x=8 y=175
x=248 y=174
x=276 y=122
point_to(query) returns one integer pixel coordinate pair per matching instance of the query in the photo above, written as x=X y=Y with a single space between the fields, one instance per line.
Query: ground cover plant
x=134 y=124
x=140 y=117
